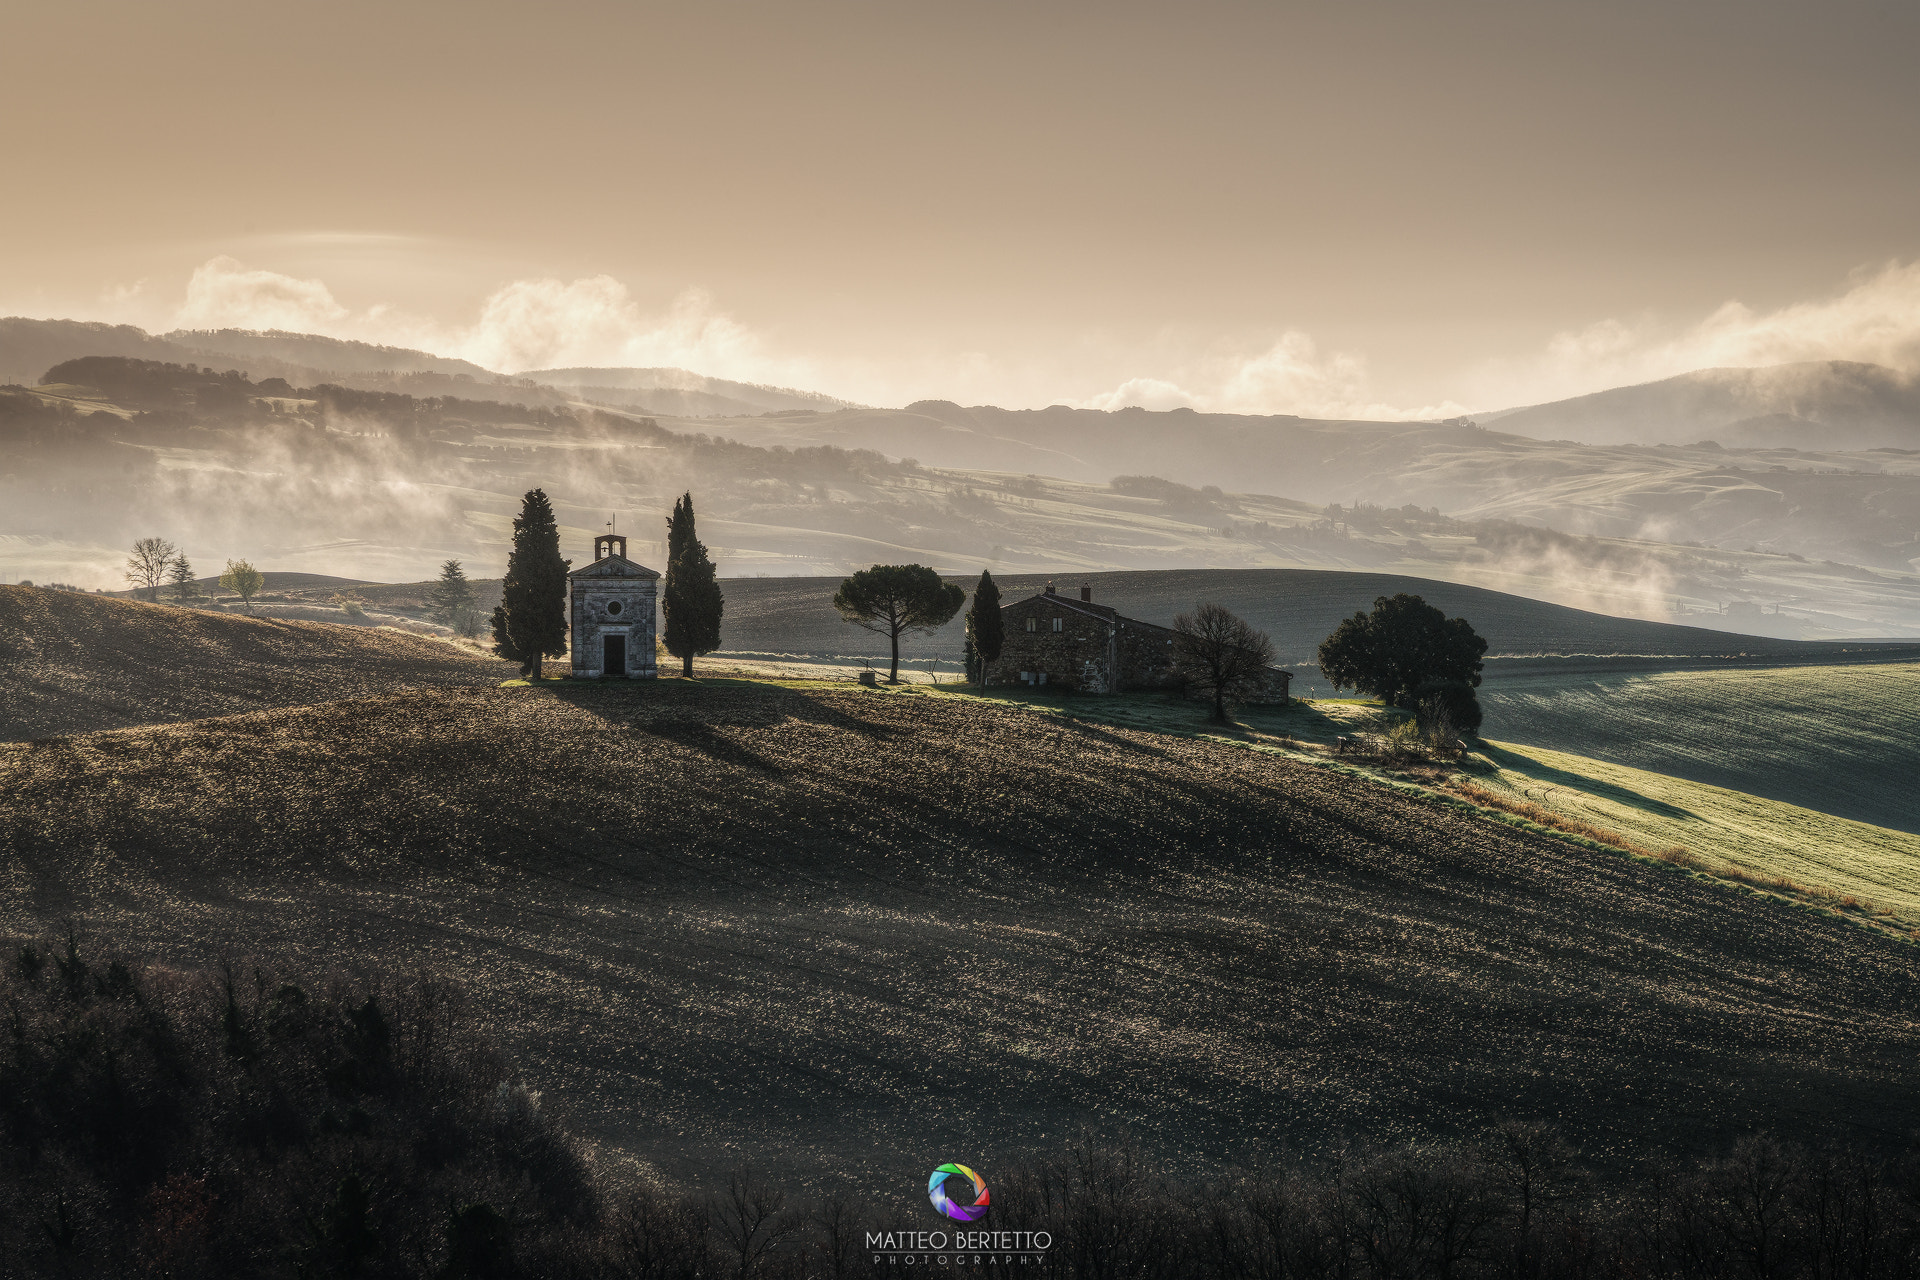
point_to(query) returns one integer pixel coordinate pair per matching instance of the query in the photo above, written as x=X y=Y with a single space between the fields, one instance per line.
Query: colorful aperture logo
x=937 y=1192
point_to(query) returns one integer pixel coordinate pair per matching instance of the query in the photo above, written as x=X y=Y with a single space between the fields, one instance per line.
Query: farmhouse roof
x=1104 y=612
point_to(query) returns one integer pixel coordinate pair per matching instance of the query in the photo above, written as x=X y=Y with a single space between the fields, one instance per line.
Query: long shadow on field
x=710 y=742
x=1102 y=734
x=652 y=706
x=1530 y=768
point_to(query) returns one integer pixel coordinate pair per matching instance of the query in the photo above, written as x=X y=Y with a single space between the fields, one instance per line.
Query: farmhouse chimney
x=1086 y=593
x=1049 y=588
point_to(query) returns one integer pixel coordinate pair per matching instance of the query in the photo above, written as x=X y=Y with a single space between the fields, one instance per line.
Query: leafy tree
x=891 y=599
x=1447 y=706
x=985 y=634
x=452 y=598
x=1404 y=642
x=186 y=587
x=243 y=580
x=148 y=565
x=530 y=622
x=690 y=603
x=1220 y=655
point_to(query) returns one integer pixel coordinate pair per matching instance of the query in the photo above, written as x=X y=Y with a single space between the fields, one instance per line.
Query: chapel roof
x=613 y=566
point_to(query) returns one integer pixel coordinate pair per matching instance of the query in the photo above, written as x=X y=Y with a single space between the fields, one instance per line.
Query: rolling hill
x=334 y=355
x=391 y=474
x=678 y=393
x=1841 y=739
x=1298 y=608
x=1818 y=406
x=76 y=662
x=827 y=931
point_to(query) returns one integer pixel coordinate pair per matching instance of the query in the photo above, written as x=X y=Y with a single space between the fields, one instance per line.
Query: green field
x=1762 y=837
x=1843 y=740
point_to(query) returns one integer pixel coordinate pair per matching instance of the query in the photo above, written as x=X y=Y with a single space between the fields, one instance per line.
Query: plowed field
x=842 y=932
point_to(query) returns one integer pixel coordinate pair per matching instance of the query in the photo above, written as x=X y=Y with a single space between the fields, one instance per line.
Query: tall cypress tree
x=531 y=620
x=691 y=602
x=983 y=624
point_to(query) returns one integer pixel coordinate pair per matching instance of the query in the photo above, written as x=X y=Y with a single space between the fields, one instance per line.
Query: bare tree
x=148 y=565
x=753 y=1219
x=1220 y=655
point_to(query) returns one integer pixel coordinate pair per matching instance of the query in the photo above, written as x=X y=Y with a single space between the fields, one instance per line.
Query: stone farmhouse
x=610 y=614
x=1057 y=642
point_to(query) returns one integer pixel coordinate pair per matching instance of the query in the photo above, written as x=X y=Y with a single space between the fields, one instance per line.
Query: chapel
x=611 y=613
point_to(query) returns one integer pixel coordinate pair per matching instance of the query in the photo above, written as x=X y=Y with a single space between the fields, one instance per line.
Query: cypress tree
x=186 y=588
x=984 y=629
x=452 y=598
x=691 y=602
x=531 y=620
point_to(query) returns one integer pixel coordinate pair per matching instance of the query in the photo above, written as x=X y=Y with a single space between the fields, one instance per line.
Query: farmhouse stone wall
x=1079 y=645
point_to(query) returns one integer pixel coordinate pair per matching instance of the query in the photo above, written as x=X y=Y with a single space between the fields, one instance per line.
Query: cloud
x=548 y=323
x=1874 y=319
x=1143 y=393
x=536 y=323
x=1291 y=376
x=224 y=294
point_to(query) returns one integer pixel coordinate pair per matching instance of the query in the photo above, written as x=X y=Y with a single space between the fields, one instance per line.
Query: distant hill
x=678 y=393
x=76 y=663
x=1832 y=404
x=28 y=348
x=334 y=355
x=1297 y=607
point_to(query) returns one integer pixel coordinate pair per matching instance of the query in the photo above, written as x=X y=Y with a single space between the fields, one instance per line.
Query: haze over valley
x=1792 y=541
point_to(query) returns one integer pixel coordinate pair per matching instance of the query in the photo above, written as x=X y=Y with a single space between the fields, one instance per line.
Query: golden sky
x=1341 y=207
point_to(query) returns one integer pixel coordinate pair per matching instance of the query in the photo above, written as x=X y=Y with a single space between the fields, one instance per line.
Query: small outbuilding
x=611 y=614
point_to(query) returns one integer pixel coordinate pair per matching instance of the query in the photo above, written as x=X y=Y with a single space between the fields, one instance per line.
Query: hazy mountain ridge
x=958 y=487
x=383 y=486
x=665 y=391
x=334 y=355
x=1852 y=506
x=1830 y=404
x=29 y=347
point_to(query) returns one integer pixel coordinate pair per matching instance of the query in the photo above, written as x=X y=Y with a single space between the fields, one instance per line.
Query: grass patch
x=1841 y=739
x=1854 y=867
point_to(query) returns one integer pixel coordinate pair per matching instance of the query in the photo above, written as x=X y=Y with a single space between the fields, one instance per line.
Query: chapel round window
x=613 y=609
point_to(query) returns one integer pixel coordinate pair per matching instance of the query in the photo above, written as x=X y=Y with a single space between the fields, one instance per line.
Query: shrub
x=236 y=1122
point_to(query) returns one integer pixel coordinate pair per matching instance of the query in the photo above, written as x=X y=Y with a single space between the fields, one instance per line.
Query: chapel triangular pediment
x=614 y=566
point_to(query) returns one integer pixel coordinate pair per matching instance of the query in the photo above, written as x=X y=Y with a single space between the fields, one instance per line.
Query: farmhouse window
x=1029 y=624
x=1056 y=624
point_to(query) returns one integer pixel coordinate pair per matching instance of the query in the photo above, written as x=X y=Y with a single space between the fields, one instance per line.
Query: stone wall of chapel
x=590 y=622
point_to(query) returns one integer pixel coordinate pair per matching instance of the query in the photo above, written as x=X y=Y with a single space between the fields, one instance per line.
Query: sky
x=1366 y=208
